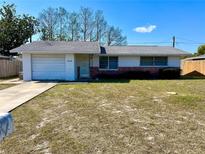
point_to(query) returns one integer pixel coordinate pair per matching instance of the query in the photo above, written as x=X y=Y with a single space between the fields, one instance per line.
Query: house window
x=160 y=61
x=146 y=61
x=113 y=62
x=104 y=62
x=153 y=61
x=108 y=62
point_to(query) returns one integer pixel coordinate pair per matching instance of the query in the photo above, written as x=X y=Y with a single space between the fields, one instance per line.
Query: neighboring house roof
x=95 y=48
x=202 y=57
x=58 y=47
x=144 y=50
x=4 y=57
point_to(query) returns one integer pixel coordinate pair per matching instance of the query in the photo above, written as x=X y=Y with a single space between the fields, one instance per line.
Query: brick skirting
x=95 y=72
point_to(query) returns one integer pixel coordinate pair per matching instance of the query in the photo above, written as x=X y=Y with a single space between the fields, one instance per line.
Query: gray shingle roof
x=144 y=50
x=58 y=47
x=202 y=57
x=94 y=48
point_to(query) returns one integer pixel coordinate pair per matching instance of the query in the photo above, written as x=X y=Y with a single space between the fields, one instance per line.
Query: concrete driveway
x=13 y=97
x=11 y=81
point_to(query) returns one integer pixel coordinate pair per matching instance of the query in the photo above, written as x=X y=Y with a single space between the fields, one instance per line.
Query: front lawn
x=140 y=116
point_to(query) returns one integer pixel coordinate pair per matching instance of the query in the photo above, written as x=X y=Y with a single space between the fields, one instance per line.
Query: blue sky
x=144 y=22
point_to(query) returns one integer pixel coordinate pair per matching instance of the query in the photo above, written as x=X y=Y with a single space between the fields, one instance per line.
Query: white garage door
x=48 y=67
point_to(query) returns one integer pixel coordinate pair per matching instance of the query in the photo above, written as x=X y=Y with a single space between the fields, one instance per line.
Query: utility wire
x=181 y=38
x=189 y=43
x=148 y=42
x=181 y=41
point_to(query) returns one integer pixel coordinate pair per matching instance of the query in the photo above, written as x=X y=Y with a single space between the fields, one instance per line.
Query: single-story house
x=61 y=60
x=193 y=66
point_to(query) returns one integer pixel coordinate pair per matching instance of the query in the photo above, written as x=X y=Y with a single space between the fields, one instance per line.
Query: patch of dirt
x=42 y=147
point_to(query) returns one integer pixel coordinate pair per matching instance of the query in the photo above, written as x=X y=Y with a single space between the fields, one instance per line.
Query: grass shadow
x=111 y=81
x=9 y=78
x=185 y=77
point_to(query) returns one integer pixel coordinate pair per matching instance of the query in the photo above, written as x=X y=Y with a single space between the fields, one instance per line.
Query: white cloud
x=145 y=29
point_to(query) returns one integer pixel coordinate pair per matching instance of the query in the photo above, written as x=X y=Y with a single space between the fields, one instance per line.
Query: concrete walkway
x=13 y=97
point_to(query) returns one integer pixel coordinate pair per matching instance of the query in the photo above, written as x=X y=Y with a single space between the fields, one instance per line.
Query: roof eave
x=15 y=51
x=136 y=54
x=57 y=52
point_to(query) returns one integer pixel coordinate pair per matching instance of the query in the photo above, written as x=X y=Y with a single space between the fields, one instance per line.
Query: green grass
x=136 y=116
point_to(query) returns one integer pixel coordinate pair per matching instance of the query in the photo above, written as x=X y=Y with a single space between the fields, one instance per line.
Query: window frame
x=108 y=63
x=154 y=61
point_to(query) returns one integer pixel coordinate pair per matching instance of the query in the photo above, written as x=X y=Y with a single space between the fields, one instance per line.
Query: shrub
x=169 y=73
x=107 y=75
x=136 y=75
x=125 y=75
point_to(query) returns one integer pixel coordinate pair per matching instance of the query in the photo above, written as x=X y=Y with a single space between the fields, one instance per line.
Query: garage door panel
x=48 y=56
x=50 y=60
x=48 y=75
x=48 y=67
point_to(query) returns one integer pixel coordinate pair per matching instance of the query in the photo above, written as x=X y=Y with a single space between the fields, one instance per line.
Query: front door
x=83 y=66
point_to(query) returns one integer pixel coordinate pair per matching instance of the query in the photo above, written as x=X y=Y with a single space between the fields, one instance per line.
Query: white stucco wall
x=134 y=61
x=174 y=61
x=26 y=66
x=128 y=61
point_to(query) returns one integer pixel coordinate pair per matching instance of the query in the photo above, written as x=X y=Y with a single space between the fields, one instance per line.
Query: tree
x=86 y=15
x=114 y=36
x=100 y=26
x=58 y=24
x=201 y=50
x=48 y=23
x=62 y=23
x=73 y=26
x=15 y=30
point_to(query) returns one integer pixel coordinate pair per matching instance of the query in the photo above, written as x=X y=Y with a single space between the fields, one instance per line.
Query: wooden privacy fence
x=189 y=66
x=10 y=67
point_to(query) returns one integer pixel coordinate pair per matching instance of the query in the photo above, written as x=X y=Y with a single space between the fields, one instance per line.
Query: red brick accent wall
x=94 y=71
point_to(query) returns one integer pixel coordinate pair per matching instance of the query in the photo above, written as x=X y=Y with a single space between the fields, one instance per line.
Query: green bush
x=125 y=75
x=169 y=73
